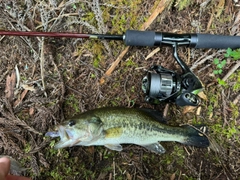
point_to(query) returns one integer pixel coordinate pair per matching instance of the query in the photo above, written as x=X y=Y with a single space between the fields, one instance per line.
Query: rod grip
x=140 y=38
x=217 y=41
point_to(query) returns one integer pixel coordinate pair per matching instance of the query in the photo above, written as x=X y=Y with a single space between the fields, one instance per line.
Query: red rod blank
x=45 y=34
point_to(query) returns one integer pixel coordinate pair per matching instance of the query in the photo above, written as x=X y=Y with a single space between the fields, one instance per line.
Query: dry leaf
x=10 y=84
x=210 y=115
x=27 y=87
x=188 y=109
x=91 y=149
x=129 y=177
x=173 y=176
x=199 y=111
x=202 y=95
x=31 y=111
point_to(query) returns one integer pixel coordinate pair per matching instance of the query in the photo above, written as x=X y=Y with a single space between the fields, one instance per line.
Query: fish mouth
x=66 y=137
x=64 y=133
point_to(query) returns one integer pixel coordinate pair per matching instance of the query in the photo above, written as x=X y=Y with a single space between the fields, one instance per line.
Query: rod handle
x=140 y=38
x=217 y=41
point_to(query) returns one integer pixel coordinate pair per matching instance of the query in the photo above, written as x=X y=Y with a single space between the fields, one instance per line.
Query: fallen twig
x=2 y=38
x=42 y=60
x=161 y=6
x=224 y=112
x=56 y=18
x=165 y=111
x=237 y=99
x=114 y=64
x=205 y=58
x=17 y=76
x=152 y=53
x=3 y=75
x=234 y=68
x=18 y=101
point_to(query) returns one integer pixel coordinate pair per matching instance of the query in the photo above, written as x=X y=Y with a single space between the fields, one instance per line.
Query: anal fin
x=115 y=147
x=155 y=147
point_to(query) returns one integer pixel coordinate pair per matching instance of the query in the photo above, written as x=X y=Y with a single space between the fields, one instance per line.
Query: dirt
x=61 y=78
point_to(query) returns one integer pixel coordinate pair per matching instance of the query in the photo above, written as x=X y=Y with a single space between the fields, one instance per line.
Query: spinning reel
x=164 y=85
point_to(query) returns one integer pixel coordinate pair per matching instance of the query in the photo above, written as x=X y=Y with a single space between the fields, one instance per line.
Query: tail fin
x=195 y=136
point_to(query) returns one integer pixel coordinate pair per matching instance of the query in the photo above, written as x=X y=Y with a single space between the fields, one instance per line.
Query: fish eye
x=71 y=123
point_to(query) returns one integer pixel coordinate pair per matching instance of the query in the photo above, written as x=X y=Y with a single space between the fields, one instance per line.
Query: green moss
x=181 y=4
x=96 y=62
x=71 y=103
x=226 y=132
x=27 y=148
x=131 y=63
x=65 y=168
x=119 y=19
x=235 y=79
x=235 y=111
x=116 y=101
x=121 y=22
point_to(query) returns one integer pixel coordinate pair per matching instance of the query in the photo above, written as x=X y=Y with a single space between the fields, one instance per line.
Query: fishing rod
x=147 y=38
x=160 y=84
x=59 y=35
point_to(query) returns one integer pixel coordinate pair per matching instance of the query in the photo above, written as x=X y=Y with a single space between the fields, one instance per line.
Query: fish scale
x=113 y=126
x=142 y=125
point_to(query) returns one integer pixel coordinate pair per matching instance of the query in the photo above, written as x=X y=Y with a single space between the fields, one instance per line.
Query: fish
x=113 y=126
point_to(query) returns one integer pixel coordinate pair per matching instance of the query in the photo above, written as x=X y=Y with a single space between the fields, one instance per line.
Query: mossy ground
x=73 y=68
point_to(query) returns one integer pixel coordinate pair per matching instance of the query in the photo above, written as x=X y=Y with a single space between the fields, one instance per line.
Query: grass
x=220 y=64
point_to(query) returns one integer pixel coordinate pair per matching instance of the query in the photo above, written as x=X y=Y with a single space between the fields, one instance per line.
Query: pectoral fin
x=113 y=132
x=156 y=147
x=115 y=147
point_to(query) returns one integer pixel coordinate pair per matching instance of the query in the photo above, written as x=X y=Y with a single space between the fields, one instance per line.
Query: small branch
x=237 y=99
x=159 y=9
x=17 y=76
x=224 y=109
x=201 y=61
x=42 y=61
x=166 y=109
x=234 y=68
x=3 y=75
x=2 y=38
x=57 y=18
x=114 y=65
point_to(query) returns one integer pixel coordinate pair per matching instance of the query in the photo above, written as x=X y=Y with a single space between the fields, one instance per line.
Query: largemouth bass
x=113 y=126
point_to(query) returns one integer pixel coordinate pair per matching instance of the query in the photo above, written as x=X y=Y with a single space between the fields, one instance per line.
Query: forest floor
x=43 y=81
